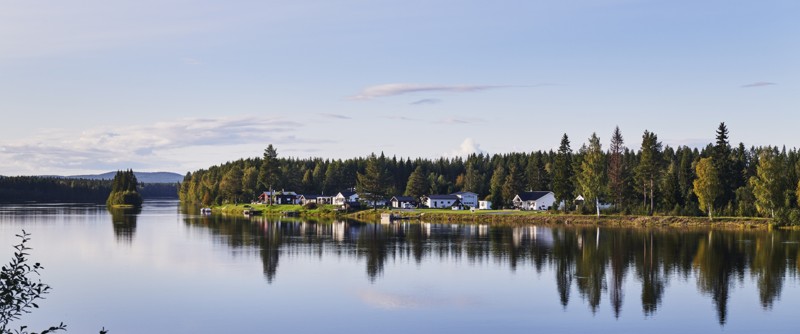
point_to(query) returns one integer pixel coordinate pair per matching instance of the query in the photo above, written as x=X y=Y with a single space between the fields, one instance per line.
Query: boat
x=205 y=211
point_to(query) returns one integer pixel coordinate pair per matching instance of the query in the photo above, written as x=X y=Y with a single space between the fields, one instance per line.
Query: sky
x=92 y=86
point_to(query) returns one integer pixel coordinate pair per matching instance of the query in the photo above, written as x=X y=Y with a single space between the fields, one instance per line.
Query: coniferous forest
x=20 y=189
x=718 y=180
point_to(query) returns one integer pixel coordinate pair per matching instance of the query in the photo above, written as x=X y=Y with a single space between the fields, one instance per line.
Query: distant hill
x=143 y=177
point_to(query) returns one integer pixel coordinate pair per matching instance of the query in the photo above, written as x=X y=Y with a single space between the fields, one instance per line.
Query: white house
x=534 y=200
x=467 y=198
x=484 y=205
x=305 y=199
x=403 y=202
x=345 y=196
x=440 y=201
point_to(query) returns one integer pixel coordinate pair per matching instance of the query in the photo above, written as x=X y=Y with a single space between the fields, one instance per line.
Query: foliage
x=769 y=183
x=656 y=179
x=592 y=174
x=18 y=292
x=123 y=190
x=707 y=185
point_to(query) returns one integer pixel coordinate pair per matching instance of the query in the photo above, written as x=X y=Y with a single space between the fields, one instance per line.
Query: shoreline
x=506 y=217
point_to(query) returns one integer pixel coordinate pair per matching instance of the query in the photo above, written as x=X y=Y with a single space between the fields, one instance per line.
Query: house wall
x=484 y=205
x=439 y=203
x=470 y=200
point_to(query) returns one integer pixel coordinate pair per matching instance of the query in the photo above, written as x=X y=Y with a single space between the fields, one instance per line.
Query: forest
x=20 y=189
x=717 y=180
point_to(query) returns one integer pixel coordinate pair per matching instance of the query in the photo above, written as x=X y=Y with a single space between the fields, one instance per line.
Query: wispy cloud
x=426 y=101
x=759 y=84
x=336 y=116
x=394 y=89
x=140 y=146
x=192 y=61
x=467 y=147
x=460 y=120
x=402 y=118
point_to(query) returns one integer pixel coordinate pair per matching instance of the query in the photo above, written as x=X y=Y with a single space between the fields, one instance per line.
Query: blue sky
x=182 y=85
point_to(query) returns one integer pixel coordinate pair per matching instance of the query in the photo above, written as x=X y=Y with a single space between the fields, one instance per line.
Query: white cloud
x=394 y=89
x=467 y=147
x=149 y=146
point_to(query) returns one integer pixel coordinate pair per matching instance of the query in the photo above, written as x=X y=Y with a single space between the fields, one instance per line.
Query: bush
x=310 y=206
x=18 y=292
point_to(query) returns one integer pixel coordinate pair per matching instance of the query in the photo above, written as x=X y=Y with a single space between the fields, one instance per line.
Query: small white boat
x=205 y=211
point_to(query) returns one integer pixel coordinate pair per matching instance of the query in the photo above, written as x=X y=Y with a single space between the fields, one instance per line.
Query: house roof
x=346 y=193
x=532 y=195
x=310 y=196
x=443 y=197
x=404 y=199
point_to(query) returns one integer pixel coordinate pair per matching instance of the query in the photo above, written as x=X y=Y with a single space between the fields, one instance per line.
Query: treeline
x=656 y=179
x=20 y=189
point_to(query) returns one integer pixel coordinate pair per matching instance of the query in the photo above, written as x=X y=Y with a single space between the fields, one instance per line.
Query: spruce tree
x=616 y=168
x=562 y=173
x=417 y=184
x=721 y=158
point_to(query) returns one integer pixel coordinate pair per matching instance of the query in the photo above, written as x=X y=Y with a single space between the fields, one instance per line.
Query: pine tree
x=374 y=183
x=562 y=173
x=496 y=186
x=417 y=184
x=512 y=185
x=269 y=174
x=648 y=169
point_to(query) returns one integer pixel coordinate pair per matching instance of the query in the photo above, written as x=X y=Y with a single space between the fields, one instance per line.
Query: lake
x=168 y=270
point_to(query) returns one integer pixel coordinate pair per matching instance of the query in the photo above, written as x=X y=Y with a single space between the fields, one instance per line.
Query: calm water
x=164 y=270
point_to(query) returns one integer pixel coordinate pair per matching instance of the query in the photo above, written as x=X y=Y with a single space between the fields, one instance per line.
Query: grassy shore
x=549 y=218
x=239 y=209
x=502 y=217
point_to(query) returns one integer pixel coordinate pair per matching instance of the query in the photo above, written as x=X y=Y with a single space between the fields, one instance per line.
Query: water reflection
x=594 y=262
x=124 y=222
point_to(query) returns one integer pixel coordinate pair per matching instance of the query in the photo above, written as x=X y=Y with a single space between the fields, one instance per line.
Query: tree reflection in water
x=594 y=261
x=124 y=222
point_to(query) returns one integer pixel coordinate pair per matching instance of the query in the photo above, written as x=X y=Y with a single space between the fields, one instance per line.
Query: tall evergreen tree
x=648 y=169
x=513 y=185
x=721 y=158
x=562 y=173
x=616 y=168
x=269 y=174
x=417 y=184
x=373 y=184
x=496 y=186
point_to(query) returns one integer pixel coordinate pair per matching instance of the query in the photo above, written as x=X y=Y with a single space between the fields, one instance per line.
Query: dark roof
x=404 y=199
x=532 y=195
x=310 y=196
x=443 y=197
x=347 y=193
